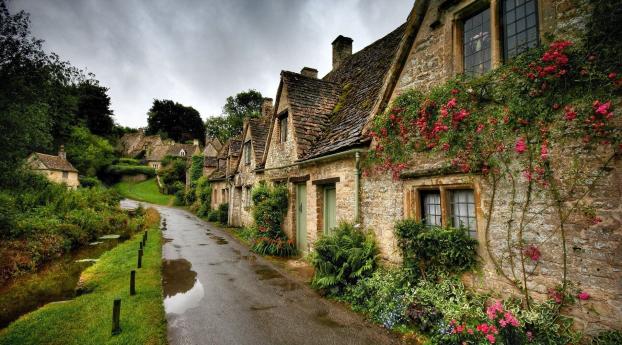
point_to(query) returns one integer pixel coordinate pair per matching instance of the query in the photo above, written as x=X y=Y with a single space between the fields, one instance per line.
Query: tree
x=36 y=104
x=243 y=105
x=175 y=121
x=94 y=108
x=87 y=152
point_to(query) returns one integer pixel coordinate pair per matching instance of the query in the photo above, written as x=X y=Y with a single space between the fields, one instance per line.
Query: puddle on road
x=202 y=244
x=261 y=307
x=219 y=240
x=182 y=289
x=286 y=284
x=321 y=317
x=265 y=272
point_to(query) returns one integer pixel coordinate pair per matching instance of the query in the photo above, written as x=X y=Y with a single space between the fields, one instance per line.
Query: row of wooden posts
x=116 y=305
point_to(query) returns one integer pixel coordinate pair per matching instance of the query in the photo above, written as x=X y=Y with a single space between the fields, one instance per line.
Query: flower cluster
x=553 y=62
x=532 y=252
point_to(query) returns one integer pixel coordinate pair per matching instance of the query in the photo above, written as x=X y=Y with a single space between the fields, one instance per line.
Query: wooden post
x=145 y=236
x=140 y=258
x=116 y=316
x=132 y=283
x=140 y=246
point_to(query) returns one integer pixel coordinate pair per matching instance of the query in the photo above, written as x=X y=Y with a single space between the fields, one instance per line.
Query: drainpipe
x=357 y=182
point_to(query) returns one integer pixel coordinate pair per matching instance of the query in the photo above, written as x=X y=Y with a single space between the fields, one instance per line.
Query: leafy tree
x=244 y=104
x=94 y=108
x=36 y=105
x=87 y=152
x=175 y=121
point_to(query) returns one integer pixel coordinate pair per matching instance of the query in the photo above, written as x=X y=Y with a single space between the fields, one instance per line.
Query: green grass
x=87 y=319
x=144 y=191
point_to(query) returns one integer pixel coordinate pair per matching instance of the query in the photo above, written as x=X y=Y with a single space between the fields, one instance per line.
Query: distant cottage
x=55 y=168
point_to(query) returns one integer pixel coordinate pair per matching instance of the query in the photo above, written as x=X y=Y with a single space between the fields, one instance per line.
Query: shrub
x=127 y=161
x=88 y=182
x=196 y=167
x=8 y=214
x=269 y=208
x=172 y=174
x=342 y=258
x=223 y=213
x=432 y=251
x=607 y=338
x=212 y=216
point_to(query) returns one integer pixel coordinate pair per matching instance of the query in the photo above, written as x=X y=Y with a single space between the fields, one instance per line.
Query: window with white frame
x=431 y=208
x=462 y=210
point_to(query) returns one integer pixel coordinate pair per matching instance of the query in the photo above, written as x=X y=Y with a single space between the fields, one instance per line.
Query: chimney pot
x=266 y=107
x=61 y=152
x=309 y=72
x=342 y=48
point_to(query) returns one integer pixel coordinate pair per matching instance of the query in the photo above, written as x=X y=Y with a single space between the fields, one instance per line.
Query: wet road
x=217 y=292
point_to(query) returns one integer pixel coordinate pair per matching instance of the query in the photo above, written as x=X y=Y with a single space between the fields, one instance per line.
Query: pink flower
x=584 y=296
x=529 y=336
x=602 y=108
x=510 y=319
x=480 y=128
x=482 y=328
x=527 y=175
x=569 y=113
x=596 y=220
x=452 y=103
x=612 y=75
x=455 y=91
x=491 y=338
x=544 y=150
x=555 y=296
x=470 y=331
x=520 y=146
x=462 y=114
x=492 y=310
x=532 y=252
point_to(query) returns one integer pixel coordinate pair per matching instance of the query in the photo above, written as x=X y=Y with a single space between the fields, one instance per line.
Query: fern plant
x=342 y=258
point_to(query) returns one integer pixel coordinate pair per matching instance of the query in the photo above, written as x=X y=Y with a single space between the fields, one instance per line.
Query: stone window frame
x=414 y=208
x=282 y=123
x=65 y=175
x=246 y=195
x=467 y=9
x=247 y=152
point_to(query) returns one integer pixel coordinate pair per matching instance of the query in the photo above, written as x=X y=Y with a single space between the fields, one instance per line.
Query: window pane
x=431 y=207
x=463 y=210
x=520 y=29
x=476 y=41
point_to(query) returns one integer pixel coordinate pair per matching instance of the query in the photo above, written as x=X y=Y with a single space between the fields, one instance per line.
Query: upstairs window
x=520 y=27
x=476 y=41
x=247 y=153
x=431 y=212
x=283 y=128
x=247 y=200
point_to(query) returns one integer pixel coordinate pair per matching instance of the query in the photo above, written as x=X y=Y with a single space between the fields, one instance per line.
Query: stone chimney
x=266 y=107
x=61 y=152
x=309 y=72
x=342 y=48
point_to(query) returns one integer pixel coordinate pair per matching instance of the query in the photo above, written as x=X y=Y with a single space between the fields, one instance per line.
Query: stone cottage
x=55 y=168
x=317 y=137
x=156 y=153
x=221 y=178
x=246 y=175
x=210 y=155
x=138 y=144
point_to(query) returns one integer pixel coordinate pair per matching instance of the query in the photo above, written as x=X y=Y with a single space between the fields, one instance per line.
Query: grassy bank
x=144 y=191
x=87 y=318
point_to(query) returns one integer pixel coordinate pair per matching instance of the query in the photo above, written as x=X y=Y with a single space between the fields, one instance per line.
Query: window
x=463 y=210
x=476 y=41
x=520 y=27
x=431 y=208
x=65 y=175
x=330 y=207
x=247 y=153
x=182 y=153
x=283 y=128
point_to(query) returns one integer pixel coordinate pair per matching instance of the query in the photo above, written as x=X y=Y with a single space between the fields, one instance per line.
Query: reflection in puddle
x=218 y=239
x=265 y=272
x=261 y=307
x=182 y=289
x=321 y=316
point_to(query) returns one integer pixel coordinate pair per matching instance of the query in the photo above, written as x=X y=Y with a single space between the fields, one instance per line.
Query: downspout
x=357 y=182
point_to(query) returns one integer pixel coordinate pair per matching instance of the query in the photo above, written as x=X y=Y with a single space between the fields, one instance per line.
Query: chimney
x=309 y=72
x=342 y=48
x=61 y=152
x=266 y=107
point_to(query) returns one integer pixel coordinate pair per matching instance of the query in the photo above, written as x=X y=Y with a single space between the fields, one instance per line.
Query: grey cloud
x=199 y=52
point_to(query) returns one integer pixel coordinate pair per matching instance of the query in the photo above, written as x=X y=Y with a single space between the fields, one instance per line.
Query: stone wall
x=57 y=176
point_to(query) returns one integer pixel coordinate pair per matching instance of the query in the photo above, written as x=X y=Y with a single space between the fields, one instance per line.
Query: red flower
x=455 y=91
x=596 y=220
x=584 y=296
x=555 y=296
x=521 y=145
x=569 y=113
x=544 y=150
x=452 y=103
x=532 y=252
x=480 y=128
x=556 y=106
x=612 y=75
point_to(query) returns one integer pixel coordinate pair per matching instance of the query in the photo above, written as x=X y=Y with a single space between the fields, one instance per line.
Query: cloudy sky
x=198 y=52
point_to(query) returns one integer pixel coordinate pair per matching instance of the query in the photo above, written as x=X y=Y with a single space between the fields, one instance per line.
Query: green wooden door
x=301 y=217
x=330 y=208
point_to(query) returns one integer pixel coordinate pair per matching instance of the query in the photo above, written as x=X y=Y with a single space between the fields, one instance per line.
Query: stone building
x=210 y=155
x=55 y=168
x=317 y=137
x=220 y=179
x=156 y=153
x=138 y=144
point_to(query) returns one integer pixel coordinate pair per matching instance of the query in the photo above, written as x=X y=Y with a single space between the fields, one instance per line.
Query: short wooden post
x=116 y=316
x=132 y=283
x=140 y=245
x=145 y=236
x=140 y=258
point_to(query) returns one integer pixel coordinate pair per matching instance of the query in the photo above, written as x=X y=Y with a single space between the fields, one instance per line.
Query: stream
x=56 y=281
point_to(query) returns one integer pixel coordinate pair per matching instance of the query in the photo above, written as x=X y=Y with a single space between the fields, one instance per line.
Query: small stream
x=55 y=281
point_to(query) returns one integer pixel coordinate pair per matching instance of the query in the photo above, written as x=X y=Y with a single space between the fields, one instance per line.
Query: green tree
x=94 y=108
x=244 y=104
x=87 y=152
x=175 y=121
x=36 y=104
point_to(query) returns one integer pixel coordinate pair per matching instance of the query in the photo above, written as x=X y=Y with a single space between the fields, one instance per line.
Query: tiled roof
x=176 y=148
x=360 y=78
x=311 y=102
x=259 y=132
x=157 y=153
x=224 y=152
x=210 y=162
x=235 y=146
x=55 y=162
